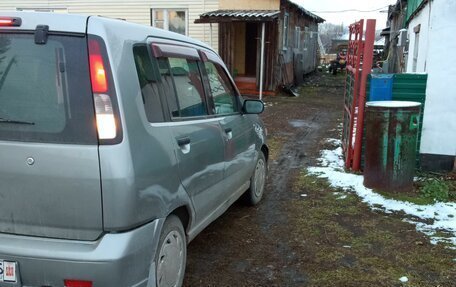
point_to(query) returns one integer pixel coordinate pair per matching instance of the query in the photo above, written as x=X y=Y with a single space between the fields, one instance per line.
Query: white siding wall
x=437 y=45
x=137 y=11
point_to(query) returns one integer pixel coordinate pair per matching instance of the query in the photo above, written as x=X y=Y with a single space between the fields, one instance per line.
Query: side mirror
x=253 y=107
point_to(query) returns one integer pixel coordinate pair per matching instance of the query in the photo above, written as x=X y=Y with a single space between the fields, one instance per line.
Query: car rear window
x=45 y=92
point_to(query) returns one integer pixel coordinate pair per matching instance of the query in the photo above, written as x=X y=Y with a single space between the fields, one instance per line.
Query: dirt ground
x=302 y=233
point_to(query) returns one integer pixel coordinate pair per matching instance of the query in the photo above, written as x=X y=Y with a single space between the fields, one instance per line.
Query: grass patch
x=349 y=245
x=307 y=181
x=308 y=91
x=427 y=190
x=275 y=144
x=413 y=198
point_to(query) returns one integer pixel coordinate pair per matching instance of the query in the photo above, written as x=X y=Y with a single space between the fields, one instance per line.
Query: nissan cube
x=119 y=143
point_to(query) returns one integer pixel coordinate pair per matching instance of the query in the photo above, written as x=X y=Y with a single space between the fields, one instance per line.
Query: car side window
x=187 y=85
x=221 y=90
x=168 y=86
x=148 y=82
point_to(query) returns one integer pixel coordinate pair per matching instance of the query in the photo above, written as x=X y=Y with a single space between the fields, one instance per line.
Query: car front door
x=237 y=128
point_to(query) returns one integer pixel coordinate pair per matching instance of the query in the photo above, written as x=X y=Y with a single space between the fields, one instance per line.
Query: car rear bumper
x=116 y=259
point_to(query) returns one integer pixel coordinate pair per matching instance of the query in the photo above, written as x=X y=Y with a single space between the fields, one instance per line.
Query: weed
x=275 y=144
x=437 y=190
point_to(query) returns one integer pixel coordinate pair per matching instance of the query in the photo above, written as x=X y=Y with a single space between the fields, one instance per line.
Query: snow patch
x=335 y=142
x=438 y=216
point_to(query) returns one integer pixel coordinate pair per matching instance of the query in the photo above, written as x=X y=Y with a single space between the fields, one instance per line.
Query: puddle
x=300 y=123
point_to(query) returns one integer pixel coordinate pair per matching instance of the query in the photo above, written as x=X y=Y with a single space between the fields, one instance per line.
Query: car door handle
x=183 y=141
x=229 y=133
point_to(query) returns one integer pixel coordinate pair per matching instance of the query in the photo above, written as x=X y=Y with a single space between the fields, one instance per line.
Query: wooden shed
x=277 y=44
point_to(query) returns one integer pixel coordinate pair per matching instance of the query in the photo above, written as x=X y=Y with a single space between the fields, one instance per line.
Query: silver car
x=119 y=143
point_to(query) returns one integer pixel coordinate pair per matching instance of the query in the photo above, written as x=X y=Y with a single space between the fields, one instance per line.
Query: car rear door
x=49 y=171
x=197 y=138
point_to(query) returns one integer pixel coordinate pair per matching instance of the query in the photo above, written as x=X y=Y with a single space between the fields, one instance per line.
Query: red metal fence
x=359 y=55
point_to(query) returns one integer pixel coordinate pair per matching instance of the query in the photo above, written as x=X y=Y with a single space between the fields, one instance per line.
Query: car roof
x=58 y=22
x=76 y=23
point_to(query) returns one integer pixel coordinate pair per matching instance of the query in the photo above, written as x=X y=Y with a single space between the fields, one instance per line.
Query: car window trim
x=165 y=50
x=188 y=122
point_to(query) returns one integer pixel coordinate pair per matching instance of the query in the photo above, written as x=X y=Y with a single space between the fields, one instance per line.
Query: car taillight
x=97 y=68
x=10 y=21
x=77 y=283
x=106 y=121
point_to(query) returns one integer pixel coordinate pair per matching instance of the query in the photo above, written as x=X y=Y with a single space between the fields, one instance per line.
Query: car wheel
x=171 y=254
x=257 y=182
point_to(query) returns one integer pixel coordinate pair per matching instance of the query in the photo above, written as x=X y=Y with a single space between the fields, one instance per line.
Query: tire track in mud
x=253 y=246
x=297 y=153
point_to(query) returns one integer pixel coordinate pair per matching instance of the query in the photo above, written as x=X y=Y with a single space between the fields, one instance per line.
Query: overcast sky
x=320 y=6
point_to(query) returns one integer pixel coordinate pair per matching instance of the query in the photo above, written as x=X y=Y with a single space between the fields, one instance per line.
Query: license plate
x=8 y=270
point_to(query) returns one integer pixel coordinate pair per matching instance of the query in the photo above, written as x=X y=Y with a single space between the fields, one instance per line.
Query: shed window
x=297 y=37
x=415 y=51
x=285 y=31
x=174 y=20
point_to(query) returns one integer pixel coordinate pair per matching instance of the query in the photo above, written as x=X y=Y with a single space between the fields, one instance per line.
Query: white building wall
x=137 y=11
x=436 y=58
x=423 y=19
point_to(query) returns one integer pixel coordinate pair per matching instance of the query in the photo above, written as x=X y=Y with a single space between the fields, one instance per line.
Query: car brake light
x=97 y=68
x=77 y=283
x=10 y=21
x=106 y=122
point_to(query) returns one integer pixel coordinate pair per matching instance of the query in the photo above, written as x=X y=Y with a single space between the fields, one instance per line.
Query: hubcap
x=260 y=175
x=170 y=263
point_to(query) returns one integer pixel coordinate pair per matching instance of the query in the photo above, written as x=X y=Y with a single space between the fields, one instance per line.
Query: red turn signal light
x=10 y=21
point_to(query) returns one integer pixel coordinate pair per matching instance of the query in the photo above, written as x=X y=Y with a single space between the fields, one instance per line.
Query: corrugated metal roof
x=253 y=15
x=242 y=14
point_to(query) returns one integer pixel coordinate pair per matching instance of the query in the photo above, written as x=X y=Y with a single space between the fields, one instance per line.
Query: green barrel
x=391 y=144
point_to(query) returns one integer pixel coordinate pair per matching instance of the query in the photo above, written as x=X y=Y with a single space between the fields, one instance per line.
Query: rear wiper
x=9 y=121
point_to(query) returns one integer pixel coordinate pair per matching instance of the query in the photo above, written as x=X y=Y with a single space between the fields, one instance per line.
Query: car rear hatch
x=49 y=163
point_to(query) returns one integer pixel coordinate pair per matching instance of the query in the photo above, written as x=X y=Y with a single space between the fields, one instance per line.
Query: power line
x=351 y=10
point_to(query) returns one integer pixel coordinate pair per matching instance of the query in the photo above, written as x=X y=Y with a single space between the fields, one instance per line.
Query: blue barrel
x=381 y=87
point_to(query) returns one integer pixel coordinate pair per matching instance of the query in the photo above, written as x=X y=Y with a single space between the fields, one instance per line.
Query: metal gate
x=359 y=55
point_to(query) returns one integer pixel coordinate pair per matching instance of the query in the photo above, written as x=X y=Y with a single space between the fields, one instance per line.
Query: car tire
x=171 y=255
x=257 y=182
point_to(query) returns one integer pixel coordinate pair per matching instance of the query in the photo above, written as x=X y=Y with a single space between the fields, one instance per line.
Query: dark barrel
x=391 y=137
